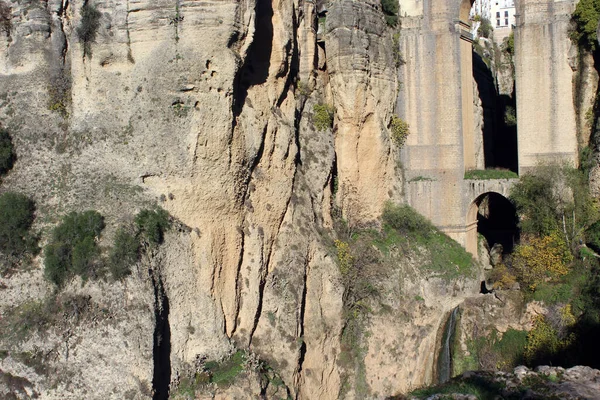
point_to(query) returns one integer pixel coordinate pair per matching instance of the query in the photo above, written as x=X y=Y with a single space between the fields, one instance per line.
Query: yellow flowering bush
x=541 y=259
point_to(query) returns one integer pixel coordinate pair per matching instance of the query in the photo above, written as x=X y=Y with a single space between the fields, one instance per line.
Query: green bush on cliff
x=124 y=253
x=16 y=217
x=390 y=11
x=73 y=249
x=323 y=116
x=406 y=221
x=555 y=198
x=485 y=28
x=152 y=224
x=403 y=226
x=586 y=16
x=400 y=130
x=7 y=154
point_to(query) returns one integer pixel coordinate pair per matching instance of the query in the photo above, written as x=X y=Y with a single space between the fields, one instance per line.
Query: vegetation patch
x=390 y=11
x=541 y=259
x=546 y=340
x=124 y=253
x=73 y=248
x=37 y=316
x=510 y=116
x=482 y=386
x=152 y=224
x=585 y=18
x=403 y=227
x=485 y=29
x=224 y=373
x=16 y=216
x=485 y=174
x=59 y=93
x=323 y=116
x=400 y=130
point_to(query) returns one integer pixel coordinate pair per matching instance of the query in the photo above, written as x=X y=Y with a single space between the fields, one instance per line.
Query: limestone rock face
x=363 y=84
x=205 y=108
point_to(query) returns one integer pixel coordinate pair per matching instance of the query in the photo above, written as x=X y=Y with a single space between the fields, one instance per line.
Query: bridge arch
x=494 y=217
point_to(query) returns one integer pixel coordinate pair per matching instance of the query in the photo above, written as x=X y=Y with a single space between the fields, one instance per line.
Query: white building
x=501 y=14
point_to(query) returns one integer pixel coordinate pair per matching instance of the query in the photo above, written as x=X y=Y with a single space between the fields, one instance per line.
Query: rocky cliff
x=207 y=109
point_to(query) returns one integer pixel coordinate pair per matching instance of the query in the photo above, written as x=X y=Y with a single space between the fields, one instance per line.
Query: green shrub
x=88 y=27
x=485 y=28
x=390 y=10
x=223 y=373
x=544 y=341
x=124 y=252
x=510 y=44
x=593 y=236
x=510 y=349
x=323 y=117
x=400 y=130
x=7 y=154
x=586 y=17
x=16 y=216
x=72 y=249
x=406 y=220
x=510 y=116
x=541 y=259
x=397 y=54
x=404 y=226
x=18 y=323
x=152 y=224
x=554 y=198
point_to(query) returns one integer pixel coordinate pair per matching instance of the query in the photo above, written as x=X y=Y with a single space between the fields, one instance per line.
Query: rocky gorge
x=266 y=130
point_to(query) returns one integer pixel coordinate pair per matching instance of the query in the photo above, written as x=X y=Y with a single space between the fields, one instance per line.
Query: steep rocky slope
x=207 y=108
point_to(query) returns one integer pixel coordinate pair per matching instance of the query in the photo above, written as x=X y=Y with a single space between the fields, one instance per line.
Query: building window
x=505 y=14
x=506 y=22
x=497 y=22
x=498 y=14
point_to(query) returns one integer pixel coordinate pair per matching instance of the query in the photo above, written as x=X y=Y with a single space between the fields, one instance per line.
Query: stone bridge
x=421 y=195
x=436 y=99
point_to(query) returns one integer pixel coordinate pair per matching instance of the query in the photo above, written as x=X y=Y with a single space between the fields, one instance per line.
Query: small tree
x=16 y=216
x=554 y=198
x=586 y=16
x=73 y=249
x=152 y=224
x=485 y=28
x=390 y=10
x=541 y=260
x=124 y=253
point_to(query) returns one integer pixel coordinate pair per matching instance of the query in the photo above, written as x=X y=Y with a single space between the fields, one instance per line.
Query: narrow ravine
x=162 y=341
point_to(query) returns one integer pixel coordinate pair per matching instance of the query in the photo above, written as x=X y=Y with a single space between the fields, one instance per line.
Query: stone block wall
x=544 y=80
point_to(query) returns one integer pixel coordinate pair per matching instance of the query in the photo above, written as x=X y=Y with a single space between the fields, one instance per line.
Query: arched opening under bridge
x=494 y=217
